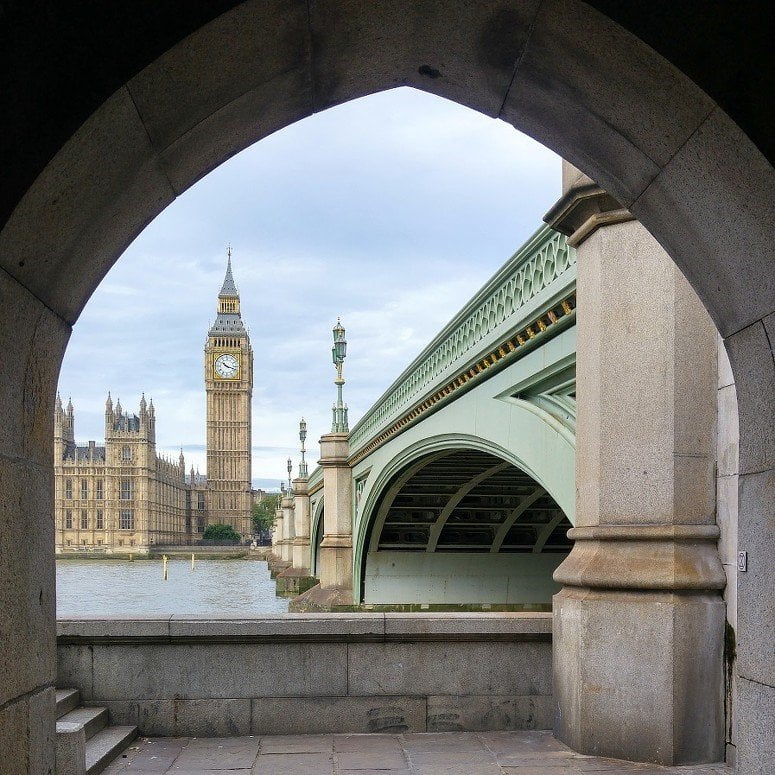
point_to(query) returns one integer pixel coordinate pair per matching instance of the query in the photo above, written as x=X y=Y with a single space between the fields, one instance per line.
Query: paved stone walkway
x=449 y=753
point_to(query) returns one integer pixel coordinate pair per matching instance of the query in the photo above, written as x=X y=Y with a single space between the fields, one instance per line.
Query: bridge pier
x=297 y=577
x=286 y=549
x=639 y=623
x=275 y=560
x=336 y=549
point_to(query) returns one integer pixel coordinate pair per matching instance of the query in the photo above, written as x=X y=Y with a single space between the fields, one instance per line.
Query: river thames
x=137 y=588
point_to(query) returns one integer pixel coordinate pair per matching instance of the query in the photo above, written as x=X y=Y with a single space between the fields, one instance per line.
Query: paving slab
x=381 y=758
x=294 y=764
x=297 y=744
x=217 y=753
x=363 y=742
x=448 y=753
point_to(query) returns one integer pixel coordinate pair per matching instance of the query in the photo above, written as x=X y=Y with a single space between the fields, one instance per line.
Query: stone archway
x=560 y=71
x=462 y=527
x=316 y=536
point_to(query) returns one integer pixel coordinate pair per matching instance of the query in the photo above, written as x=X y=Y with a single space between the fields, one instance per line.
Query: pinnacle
x=229 y=288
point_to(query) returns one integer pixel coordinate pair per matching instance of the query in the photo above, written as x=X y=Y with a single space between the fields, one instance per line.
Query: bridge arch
x=530 y=462
x=316 y=535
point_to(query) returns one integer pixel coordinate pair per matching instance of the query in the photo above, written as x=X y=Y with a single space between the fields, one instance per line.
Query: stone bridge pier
x=296 y=577
x=639 y=623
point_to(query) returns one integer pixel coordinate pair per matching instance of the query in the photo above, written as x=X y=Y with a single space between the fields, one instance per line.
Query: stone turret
x=109 y=414
x=64 y=429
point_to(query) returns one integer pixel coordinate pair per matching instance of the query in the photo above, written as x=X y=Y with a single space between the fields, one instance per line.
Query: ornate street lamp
x=338 y=354
x=303 y=474
x=290 y=468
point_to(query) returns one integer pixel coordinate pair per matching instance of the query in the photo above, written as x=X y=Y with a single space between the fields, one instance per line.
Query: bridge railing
x=542 y=273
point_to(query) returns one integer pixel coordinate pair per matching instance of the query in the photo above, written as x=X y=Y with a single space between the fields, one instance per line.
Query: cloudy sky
x=389 y=211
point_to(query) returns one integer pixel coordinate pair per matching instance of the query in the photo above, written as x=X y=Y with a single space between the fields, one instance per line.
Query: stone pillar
x=275 y=560
x=336 y=549
x=36 y=337
x=301 y=518
x=639 y=623
x=277 y=532
x=286 y=550
x=296 y=578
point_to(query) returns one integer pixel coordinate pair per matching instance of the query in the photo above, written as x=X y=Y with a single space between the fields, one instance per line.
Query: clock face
x=227 y=366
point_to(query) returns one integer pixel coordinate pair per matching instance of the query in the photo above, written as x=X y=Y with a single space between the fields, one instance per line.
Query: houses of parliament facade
x=124 y=498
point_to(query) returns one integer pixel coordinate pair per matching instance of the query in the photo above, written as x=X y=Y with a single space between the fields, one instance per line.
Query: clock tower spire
x=228 y=370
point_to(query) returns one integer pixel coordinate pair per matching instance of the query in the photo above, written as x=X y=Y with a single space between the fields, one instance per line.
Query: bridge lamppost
x=290 y=468
x=303 y=474
x=338 y=354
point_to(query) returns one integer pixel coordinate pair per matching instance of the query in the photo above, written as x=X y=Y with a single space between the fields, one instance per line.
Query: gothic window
x=84 y=519
x=68 y=489
x=125 y=491
x=126 y=452
x=99 y=493
x=200 y=501
x=100 y=520
x=84 y=489
x=68 y=519
x=127 y=520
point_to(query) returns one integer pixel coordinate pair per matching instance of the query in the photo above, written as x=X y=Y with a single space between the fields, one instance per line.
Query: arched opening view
x=667 y=198
x=465 y=527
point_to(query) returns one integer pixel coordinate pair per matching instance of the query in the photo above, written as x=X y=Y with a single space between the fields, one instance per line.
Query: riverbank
x=200 y=552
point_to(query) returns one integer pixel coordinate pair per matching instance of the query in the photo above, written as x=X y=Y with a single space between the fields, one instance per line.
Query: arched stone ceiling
x=468 y=501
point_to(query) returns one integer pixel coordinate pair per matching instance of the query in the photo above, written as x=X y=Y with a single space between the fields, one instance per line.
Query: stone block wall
x=306 y=673
x=727 y=481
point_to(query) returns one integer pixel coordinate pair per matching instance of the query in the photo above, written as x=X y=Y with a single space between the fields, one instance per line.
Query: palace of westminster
x=124 y=498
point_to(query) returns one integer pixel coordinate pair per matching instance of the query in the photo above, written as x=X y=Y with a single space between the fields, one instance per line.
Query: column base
x=322 y=599
x=294 y=581
x=638 y=675
x=276 y=564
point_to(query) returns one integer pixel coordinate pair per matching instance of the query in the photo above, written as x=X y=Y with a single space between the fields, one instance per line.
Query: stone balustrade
x=314 y=673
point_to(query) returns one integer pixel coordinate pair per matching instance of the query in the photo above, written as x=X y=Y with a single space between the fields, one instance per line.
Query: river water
x=124 y=588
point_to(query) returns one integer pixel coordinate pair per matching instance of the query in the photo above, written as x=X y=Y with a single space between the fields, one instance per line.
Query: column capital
x=300 y=485
x=583 y=209
x=645 y=557
x=334 y=450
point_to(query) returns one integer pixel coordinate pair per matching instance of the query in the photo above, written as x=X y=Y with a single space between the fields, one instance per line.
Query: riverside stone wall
x=302 y=673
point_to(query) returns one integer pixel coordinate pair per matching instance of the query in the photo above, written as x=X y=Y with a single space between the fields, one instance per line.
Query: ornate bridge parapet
x=529 y=300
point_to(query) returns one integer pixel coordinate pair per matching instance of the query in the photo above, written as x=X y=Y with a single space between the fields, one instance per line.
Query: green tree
x=220 y=532
x=263 y=512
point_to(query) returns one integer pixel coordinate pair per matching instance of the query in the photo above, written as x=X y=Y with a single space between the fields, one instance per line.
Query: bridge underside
x=464 y=527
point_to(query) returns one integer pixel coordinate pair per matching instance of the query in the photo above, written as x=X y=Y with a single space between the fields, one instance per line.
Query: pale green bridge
x=457 y=486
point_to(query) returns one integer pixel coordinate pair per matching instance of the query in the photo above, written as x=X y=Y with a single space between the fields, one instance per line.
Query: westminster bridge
x=466 y=459
x=566 y=443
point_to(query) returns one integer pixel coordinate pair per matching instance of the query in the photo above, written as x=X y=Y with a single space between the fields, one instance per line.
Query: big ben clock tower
x=229 y=387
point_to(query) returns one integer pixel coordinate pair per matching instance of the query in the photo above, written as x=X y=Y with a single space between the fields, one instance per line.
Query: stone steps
x=91 y=719
x=99 y=743
x=106 y=745
x=67 y=700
